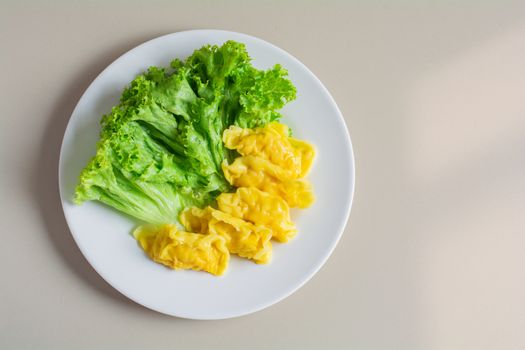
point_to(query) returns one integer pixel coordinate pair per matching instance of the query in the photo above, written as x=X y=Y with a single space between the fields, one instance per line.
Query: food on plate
x=260 y=173
x=272 y=143
x=270 y=161
x=199 y=144
x=176 y=249
x=161 y=149
x=242 y=237
x=261 y=209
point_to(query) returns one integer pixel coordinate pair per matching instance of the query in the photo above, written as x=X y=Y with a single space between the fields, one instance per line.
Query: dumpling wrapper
x=254 y=171
x=272 y=143
x=167 y=245
x=242 y=237
x=260 y=208
x=271 y=161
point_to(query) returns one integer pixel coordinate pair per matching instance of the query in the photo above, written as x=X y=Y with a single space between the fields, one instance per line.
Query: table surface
x=433 y=97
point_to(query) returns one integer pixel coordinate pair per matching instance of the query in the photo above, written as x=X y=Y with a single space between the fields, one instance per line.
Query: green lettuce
x=160 y=148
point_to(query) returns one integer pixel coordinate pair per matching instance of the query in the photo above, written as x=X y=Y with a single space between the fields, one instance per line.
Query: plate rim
x=348 y=203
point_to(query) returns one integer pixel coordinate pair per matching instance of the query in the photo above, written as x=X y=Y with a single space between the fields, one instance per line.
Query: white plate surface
x=103 y=234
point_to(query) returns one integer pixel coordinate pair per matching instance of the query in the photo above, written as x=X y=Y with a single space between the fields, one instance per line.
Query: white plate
x=103 y=234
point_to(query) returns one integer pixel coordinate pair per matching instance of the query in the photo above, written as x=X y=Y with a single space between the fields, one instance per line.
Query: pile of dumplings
x=269 y=177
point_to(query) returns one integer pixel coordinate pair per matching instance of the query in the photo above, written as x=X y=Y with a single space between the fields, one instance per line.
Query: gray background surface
x=433 y=96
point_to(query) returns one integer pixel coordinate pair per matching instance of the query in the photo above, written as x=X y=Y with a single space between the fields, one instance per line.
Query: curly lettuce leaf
x=161 y=147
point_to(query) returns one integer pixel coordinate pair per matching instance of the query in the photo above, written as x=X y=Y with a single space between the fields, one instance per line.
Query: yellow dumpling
x=270 y=161
x=184 y=250
x=253 y=171
x=272 y=143
x=260 y=208
x=242 y=237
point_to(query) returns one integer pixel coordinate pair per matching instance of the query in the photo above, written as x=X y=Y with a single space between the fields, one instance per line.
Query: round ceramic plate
x=103 y=234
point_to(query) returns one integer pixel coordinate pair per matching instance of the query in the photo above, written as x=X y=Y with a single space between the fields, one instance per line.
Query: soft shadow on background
x=44 y=180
